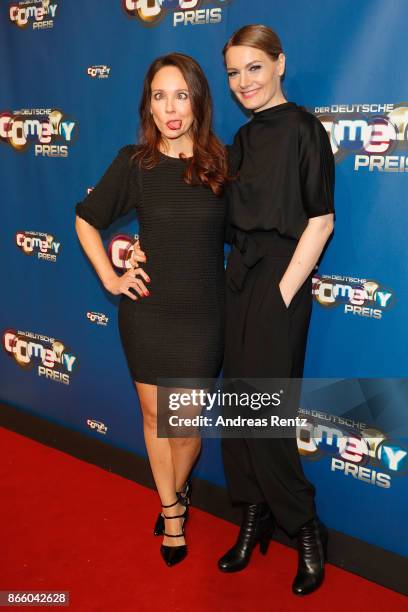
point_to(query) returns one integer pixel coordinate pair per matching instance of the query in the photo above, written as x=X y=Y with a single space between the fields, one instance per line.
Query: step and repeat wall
x=71 y=79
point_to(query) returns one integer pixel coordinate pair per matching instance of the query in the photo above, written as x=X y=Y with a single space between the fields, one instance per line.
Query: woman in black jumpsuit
x=284 y=170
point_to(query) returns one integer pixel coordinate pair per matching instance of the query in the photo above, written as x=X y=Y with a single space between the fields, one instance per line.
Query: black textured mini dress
x=178 y=330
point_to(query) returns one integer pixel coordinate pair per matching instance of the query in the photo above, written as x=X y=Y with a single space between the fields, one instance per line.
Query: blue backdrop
x=72 y=75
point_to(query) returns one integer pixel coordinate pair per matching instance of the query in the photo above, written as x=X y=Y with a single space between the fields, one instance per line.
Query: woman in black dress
x=280 y=214
x=174 y=181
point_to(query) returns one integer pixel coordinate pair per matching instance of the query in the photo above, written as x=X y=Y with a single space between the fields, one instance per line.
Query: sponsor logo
x=120 y=250
x=357 y=296
x=53 y=359
x=183 y=12
x=97 y=317
x=44 y=246
x=376 y=135
x=363 y=453
x=98 y=72
x=49 y=130
x=39 y=13
x=97 y=425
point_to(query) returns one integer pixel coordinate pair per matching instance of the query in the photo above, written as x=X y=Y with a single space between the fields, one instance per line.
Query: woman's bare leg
x=185 y=440
x=184 y=452
x=161 y=461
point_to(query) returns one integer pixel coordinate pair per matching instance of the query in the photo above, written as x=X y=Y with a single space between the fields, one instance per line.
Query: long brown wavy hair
x=208 y=165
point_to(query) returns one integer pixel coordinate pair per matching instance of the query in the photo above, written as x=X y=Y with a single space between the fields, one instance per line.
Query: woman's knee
x=149 y=413
x=188 y=442
x=148 y=403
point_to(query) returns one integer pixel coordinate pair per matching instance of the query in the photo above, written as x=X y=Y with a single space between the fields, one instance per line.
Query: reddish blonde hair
x=257 y=36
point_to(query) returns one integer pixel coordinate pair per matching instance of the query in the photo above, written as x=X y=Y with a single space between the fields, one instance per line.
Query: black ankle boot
x=257 y=526
x=312 y=548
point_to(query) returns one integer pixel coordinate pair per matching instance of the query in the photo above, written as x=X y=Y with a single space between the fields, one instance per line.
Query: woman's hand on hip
x=129 y=280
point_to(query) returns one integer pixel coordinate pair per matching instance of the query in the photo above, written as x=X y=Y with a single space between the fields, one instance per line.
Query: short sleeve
x=110 y=198
x=317 y=173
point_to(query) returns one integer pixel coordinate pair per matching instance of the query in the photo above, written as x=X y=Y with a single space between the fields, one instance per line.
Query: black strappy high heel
x=185 y=493
x=174 y=554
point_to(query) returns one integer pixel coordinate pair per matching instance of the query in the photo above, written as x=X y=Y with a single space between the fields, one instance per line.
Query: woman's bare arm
x=91 y=242
x=306 y=255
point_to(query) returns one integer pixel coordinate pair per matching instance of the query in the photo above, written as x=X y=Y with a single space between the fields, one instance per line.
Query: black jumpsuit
x=284 y=170
x=178 y=331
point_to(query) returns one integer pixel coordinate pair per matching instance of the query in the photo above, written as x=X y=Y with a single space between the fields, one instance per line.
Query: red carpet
x=68 y=525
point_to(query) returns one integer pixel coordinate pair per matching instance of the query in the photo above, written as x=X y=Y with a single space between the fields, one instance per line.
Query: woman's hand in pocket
x=285 y=297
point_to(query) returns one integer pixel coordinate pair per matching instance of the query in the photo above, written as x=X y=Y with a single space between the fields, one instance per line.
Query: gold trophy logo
x=50 y=240
x=58 y=349
x=55 y=117
x=399 y=119
x=370 y=289
x=373 y=438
